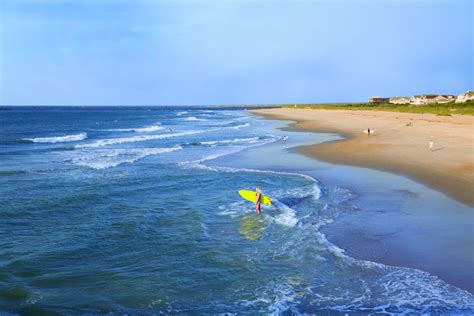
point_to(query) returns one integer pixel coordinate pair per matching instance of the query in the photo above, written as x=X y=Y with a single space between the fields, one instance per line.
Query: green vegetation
x=447 y=109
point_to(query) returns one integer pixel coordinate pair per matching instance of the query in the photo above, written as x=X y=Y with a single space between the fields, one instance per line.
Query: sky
x=151 y=52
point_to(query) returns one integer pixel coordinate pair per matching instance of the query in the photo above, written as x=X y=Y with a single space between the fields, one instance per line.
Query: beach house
x=399 y=100
x=378 y=100
x=466 y=96
x=445 y=98
x=424 y=99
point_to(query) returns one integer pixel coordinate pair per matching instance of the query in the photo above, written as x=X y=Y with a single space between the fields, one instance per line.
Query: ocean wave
x=300 y=193
x=197 y=164
x=228 y=121
x=242 y=118
x=193 y=118
x=109 y=158
x=151 y=128
x=372 y=288
x=240 y=126
x=315 y=191
x=141 y=138
x=363 y=287
x=228 y=141
x=58 y=139
x=221 y=122
x=133 y=139
x=286 y=215
x=390 y=289
x=181 y=113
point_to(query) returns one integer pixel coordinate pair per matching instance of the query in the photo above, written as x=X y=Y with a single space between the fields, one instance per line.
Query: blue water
x=123 y=210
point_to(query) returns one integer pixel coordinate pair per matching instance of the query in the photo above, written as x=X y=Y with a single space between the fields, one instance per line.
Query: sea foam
x=133 y=139
x=146 y=129
x=58 y=139
x=193 y=118
x=109 y=158
x=230 y=141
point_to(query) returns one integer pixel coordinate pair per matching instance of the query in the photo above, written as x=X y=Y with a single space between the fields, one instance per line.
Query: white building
x=399 y=100
x=466 y=96
x=424 y=99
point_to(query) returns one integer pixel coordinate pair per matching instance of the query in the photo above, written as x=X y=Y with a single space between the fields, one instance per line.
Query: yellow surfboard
x=252 y=197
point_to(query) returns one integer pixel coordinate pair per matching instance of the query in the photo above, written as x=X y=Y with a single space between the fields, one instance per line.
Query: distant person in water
x=285 y=139
x=430 y=145
x=258 y=200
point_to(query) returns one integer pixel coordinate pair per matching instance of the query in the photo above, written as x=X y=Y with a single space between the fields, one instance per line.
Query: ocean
x=135 y=210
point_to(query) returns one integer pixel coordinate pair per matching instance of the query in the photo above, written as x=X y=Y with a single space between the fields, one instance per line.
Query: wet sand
x=398 y=145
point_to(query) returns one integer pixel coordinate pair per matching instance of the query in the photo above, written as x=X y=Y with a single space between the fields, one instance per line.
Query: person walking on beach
x=430 y=145
x=258 y=200
x=368 y=131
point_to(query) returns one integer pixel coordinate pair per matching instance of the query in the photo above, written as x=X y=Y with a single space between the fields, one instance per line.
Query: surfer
x=258 y=196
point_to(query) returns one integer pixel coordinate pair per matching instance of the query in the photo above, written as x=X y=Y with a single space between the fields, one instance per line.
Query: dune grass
x=466 y=108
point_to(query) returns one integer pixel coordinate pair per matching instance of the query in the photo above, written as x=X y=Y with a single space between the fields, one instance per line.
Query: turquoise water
x=125 y=210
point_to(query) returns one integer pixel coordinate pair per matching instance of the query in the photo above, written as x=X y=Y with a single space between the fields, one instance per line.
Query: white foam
x=58 y=139
x=197 y=164
x=146 y=129
x=133 y=139
x=181 y=113
x=109 y=158
x=230 y=141
x=221 y=122
x=239 y=126
x=228 y=122
x=276 y=298
x=287 y=217
x=193 y=118
x=234 y=209
x=302 y=192
x=316 y=191
x=242 y=118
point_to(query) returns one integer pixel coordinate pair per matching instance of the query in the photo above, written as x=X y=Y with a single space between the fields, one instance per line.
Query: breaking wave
x=109 y=158
x=193 y=118
x=228 y=141
x=146 y=129
x=133 y=139
x=239 y=126
x=58 y=139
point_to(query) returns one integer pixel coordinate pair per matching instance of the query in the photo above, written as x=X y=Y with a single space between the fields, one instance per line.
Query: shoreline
x=387 y=219
x=394 y=146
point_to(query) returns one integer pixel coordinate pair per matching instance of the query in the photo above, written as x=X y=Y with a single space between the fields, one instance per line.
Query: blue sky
x=147 y=52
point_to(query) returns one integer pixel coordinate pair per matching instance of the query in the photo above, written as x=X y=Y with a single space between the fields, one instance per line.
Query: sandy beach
x=399 y=144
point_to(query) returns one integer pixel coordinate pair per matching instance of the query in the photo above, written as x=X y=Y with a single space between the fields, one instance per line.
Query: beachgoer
x=431 y=145
x=285 y=139
x=368 y=131
x=258 y=200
